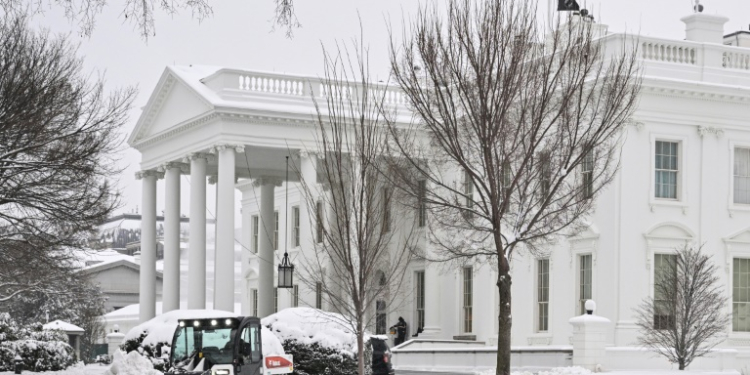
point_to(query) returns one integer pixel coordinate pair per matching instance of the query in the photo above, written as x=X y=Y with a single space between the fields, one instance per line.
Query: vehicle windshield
x=192 y=344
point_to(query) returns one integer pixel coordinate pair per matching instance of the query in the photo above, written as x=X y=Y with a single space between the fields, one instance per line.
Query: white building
x=238 y=125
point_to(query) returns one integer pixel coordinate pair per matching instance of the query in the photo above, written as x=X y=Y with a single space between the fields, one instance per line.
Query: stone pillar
x=171 y=291
x=589 y=338
x=197 y=244
x=308 y=185
x=147 y=294
x=114 y=340
x=224 y=264
x=432 y=291
x=265 y=245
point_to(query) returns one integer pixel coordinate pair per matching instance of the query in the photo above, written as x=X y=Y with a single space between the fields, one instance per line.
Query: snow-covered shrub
x=41 y=350
x=320 y=342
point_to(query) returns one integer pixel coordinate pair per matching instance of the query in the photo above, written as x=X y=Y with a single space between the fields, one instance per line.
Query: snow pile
x=574 y=370
x=132 y=364
x=161 y=328
x=41 y=350
x=311 y=326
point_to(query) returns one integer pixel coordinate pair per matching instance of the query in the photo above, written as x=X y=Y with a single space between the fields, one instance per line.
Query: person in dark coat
x=400 y=331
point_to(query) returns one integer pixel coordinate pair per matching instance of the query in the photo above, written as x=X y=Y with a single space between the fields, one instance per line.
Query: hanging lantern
x=286 y=269
x=286 y=272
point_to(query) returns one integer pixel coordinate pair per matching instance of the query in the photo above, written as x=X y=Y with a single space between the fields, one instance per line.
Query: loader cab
x=225 y=346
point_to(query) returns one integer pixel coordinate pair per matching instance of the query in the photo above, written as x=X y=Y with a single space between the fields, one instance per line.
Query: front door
x=248 y=348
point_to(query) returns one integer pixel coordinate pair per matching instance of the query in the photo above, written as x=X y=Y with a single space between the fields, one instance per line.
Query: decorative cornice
x=703 y=130
x=173 y=164
x=694 y=94
x=154 y=110
x=148 y=173
x=268 y=180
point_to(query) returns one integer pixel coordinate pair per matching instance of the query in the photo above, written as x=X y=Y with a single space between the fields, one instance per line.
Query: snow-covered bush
x=320 y=342
x=132 y=364
x=41 y=350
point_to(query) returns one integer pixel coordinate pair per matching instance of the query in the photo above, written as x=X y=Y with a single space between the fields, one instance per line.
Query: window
x=380 y=317
x=468 y=189
x=318 y=295
x=420 y=298
x=421 y=206
x=584 y=282
x=468 y=302
x=319 y=222
x=255 y=234
x=666 y=164
x=742 y=175
x=741 y=295
x=251 y=337
x=664 y=265
x=386 y=209
x=295 y=226
x=544 y=173
x=255 y=302
x=587 y=175
x=542 y=295
x=295 y=296
x=276 y=230
x=275 y=300
x=507 y=178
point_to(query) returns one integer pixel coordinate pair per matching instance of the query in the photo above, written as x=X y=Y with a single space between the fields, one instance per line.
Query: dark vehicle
x=225 y=346
x=381 y=357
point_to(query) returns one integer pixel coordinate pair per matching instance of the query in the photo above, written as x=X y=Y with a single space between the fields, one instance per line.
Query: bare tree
x=685 y=318
x=362 y=245
x=58 y=133
x=516 y=131
x=140 y=12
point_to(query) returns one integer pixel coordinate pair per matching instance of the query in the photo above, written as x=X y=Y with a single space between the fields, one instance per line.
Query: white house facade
x=684 y=178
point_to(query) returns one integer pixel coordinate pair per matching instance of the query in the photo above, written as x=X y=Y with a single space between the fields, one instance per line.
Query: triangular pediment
x=172 y=103
x=741 y=236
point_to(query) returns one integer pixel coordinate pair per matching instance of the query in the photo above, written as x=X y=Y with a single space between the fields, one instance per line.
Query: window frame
x=732 y=206
x=296 y=240
x=732 y=292
x=421 y=204
x=467 y=300
x=538 y=295
x=386 y=206
x=255 y=301
x=319 y=295
x=653 y=282
x=682 y=190
x=319 y=228
x=419 y=292
x=255 y=228
x=580 y=286
x=295 y=295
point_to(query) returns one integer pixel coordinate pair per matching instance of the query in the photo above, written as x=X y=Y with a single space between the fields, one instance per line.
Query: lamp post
x=286 y=268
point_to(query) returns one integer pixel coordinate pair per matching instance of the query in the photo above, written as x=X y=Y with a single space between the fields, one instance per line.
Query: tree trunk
x=681 y=363
x=360 y=349
x=505 y=321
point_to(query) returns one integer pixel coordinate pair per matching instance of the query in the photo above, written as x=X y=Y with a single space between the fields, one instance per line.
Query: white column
x=308 y=186
x=265 y=246
x=432 y=292
x=197 y=244
x=224 y=264
x=147 y=289
x=171 y=292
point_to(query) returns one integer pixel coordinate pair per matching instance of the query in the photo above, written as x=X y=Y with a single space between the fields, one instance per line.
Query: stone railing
x=669 y=51
x=736 y=60
x=232 y=83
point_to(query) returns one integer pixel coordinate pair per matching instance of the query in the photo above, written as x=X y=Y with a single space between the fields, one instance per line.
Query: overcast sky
x=239 y=35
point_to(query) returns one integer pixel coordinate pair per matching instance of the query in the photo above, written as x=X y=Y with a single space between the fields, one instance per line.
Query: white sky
x=239 y=35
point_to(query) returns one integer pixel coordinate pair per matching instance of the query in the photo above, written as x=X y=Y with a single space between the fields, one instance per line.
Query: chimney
x=704 y=28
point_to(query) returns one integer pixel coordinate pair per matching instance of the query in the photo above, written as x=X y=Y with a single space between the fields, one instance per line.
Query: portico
x=234 y=128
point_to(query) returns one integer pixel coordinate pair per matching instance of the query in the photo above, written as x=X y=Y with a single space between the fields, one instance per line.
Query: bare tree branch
x=365 y=250
x=515 y=134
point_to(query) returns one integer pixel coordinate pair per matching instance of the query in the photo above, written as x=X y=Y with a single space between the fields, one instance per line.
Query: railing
x=669 y=52
x=736 y=60
x=274 y=85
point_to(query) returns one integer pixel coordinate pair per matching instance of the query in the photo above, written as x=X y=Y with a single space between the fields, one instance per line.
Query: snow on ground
x=93 y=369
x=575 y=370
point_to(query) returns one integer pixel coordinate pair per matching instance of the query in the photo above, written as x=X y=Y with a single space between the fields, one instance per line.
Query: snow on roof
x=309 y=326
x=59 y=325
x=133 y=311
x=162 y=328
